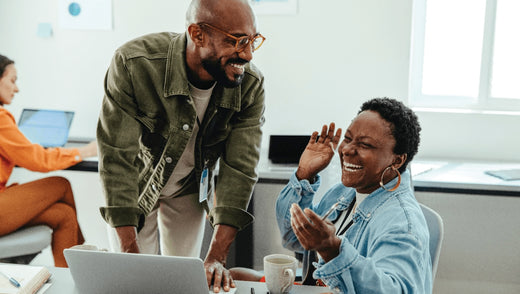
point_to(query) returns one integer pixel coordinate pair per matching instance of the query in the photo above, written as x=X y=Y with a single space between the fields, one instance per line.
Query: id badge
x=203 y=188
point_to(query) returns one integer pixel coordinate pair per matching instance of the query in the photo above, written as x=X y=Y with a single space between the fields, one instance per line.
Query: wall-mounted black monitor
x=286 y=149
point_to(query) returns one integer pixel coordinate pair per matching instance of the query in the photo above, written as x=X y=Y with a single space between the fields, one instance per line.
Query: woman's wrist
x=301 y=174
x=330 y=252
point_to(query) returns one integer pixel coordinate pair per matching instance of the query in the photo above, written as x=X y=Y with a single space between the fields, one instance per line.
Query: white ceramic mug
x=279 y=271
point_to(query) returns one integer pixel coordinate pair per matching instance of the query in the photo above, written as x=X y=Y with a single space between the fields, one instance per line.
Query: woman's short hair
x=4 y=62
x=404 y=124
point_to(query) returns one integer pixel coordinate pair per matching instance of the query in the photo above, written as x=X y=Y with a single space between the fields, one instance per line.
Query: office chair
x=436 y=228
x=24 y=244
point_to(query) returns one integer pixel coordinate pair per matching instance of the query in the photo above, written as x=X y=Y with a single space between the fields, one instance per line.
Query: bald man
x=174 y=105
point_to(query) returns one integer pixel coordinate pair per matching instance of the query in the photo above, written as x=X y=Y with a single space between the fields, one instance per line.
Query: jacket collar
x=380 y=196
x=176 y=78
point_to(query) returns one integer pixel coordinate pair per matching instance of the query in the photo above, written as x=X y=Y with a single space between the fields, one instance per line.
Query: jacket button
x=185 y=127
x=169 y=160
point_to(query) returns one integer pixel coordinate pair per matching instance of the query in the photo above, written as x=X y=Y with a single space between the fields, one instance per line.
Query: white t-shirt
x=186 y=162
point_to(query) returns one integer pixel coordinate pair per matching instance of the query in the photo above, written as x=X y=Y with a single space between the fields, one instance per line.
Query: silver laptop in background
x=108 y=272
x=49 y=128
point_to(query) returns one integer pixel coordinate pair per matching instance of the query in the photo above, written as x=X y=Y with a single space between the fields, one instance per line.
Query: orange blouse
x=16 y=149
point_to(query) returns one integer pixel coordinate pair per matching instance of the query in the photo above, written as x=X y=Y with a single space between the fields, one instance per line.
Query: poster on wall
x=275 y=6
x=85 y=14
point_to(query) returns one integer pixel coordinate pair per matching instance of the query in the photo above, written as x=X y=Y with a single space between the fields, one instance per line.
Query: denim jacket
x=386 y=250
x=147 y=118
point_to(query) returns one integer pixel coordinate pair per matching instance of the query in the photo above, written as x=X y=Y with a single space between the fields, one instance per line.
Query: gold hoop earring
x=398 y=180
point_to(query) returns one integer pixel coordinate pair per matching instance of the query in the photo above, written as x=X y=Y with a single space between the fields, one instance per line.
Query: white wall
x=320 y=65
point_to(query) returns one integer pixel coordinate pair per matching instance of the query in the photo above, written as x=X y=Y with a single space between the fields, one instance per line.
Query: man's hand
x=215 y=262
x=128 y=239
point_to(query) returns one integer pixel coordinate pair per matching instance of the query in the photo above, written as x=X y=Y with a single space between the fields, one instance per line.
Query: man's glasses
x=241 y=42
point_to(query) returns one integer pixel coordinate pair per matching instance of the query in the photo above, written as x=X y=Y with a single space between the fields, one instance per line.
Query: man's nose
x=247 y=53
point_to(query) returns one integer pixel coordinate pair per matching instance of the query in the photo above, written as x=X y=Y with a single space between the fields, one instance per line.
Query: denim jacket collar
x=380 y=196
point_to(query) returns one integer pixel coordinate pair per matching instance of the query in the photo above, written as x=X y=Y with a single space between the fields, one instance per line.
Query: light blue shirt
x=384 y=251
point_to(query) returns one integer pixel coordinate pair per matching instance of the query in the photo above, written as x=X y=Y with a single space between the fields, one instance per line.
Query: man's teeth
x=241 y=66
x=351 y=167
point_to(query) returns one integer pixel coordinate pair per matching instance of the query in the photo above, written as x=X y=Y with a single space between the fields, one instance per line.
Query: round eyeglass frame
x=240 y=42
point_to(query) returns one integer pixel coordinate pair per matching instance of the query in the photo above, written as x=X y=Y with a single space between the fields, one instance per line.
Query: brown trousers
x=48 y=201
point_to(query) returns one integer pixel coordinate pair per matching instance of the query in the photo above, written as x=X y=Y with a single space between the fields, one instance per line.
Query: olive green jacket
x=147 y=118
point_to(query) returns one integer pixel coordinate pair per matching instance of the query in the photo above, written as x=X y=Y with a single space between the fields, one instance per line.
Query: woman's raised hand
x=319 y=152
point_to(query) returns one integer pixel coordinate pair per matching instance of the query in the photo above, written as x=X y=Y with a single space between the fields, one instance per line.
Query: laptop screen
x=49 y=128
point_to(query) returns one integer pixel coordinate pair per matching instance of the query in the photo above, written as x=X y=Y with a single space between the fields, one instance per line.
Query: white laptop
x=108 y=272
x=49 y=128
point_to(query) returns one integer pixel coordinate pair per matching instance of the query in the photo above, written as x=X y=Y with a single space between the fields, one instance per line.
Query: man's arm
x=215 y=261
x=117 y=137
x=236 y=178
x=127 y=239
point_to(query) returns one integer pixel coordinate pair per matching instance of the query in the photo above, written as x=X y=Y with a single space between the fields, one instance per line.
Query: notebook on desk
x=49 y=128
x=108 y=272
x=505 y=174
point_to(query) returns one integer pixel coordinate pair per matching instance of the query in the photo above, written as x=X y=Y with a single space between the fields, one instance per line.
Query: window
x=466 y=55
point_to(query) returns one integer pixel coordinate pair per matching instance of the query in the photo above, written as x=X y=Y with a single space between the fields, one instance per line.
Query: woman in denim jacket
x=369 y=232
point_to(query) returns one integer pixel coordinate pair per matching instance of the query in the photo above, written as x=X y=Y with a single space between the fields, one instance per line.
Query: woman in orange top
x=47 y=201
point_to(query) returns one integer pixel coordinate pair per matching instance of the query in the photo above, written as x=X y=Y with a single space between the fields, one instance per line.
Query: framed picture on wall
x=275 y=6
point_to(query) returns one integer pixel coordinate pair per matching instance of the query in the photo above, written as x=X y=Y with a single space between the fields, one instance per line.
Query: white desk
x=435 y=175
x=62 y=283
x=465 y=175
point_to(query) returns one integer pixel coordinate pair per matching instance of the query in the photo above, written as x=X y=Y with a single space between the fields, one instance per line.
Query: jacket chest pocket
x=154 y=134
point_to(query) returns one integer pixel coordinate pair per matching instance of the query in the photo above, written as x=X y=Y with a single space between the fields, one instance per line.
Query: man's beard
x=213 y=67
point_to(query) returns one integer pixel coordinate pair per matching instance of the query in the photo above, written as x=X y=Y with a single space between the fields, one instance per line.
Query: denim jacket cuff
x=329 y=270
x=304 y=187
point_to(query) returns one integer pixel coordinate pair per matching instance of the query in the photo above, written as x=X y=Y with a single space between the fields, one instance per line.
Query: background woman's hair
x=4 y=62
x=404 y=124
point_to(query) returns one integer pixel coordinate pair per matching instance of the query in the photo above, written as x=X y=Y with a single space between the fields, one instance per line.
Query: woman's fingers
x=313 y=138
x=312 y=216
x=299 y=221
x=307 y=225
x=330 y=133
x=323 y=134
x=326 y=136
x=336 y=138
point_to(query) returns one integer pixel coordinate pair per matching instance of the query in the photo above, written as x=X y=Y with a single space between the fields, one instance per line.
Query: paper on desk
x=422 y=167
x=505 y=174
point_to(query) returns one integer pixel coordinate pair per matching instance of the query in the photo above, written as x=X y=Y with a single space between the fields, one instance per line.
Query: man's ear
x=196 y=34
x=399 y=160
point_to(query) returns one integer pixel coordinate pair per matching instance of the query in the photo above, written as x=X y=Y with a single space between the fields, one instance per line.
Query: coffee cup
x=279 y=271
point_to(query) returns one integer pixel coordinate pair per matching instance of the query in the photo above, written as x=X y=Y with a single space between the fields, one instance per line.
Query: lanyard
x=342 y=228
